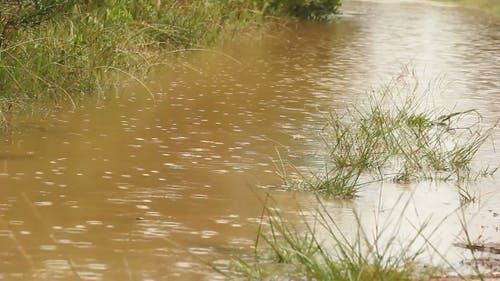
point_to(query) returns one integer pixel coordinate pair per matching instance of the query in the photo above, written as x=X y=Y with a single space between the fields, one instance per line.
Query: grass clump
x=324 y=251
x=394 y=137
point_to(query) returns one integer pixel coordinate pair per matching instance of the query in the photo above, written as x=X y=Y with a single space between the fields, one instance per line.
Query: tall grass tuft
x=321 y=250
x=393 y=136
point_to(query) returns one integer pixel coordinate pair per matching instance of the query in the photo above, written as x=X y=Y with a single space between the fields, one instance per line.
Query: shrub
x=303 y=9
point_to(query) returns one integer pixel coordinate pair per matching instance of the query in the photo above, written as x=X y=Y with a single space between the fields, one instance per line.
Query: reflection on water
x=136 y=189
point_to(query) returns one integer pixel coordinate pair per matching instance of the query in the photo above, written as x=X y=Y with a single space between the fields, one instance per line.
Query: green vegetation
x=318 y=248
x=304 y=9
x=491 y=6
x=63 y=49
x=394 y=137
x=321 y=250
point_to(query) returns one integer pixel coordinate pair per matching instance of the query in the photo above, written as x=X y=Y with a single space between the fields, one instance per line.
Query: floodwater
x=155 y=186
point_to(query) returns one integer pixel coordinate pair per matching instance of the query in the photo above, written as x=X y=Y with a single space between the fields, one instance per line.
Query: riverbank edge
x=65 y=51
x=491 y=7
x=83 y=50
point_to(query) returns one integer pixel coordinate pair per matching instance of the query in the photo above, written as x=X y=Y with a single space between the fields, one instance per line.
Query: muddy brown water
x=136 y=189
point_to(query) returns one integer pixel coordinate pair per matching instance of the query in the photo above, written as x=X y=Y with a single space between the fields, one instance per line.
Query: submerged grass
x=393 y=137
x=322 y=250
x=394 y=248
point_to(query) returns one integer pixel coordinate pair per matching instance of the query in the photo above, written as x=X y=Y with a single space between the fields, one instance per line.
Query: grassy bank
x=65 y=49
x=490 y=6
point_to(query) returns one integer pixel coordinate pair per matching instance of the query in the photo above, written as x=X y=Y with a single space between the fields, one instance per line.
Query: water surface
x=139 y=189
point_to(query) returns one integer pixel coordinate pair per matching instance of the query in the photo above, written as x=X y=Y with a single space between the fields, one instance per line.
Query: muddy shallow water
x=139 y=189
